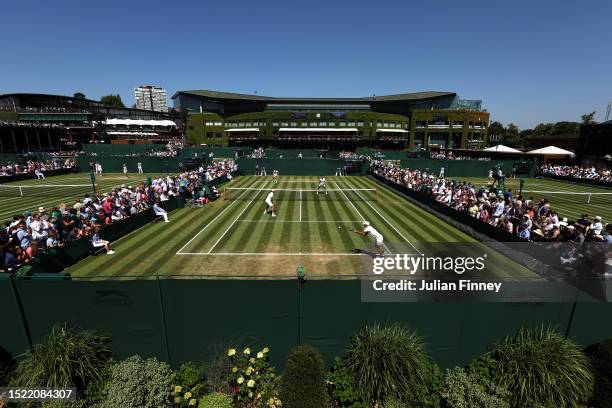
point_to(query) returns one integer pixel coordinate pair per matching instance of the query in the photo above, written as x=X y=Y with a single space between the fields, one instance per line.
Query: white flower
x=240 y=380
x=247 y=351
x=251 y=383
x=260 y=355
x=231 y=352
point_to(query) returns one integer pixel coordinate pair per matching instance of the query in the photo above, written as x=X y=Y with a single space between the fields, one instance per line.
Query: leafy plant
x=394 y=403
x=252 y=378
x=217 y=369
x=484 y=370
x=540 y=367
x=303 y=382
x=190 y=384
x=136 y=382
x=600 y=355
x=341 y=387
x=68 y=357
x=388 y=362
x=463 y=390
x=215 y=400
x=7 y=365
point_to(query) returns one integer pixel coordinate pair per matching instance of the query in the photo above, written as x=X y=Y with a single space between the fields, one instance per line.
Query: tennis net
x=570 y=197
x=45 y=190
x=285 y=194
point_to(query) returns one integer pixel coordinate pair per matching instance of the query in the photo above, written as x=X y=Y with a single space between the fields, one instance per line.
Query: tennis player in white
x=270 y=204
x=322 y=185
x=378 y=238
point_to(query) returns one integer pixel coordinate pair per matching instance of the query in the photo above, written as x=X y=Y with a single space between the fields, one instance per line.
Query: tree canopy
x=112 y=100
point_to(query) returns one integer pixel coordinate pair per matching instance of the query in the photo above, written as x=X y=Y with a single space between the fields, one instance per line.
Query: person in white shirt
x=125 y=170
x=322 y=185
x=39 y=174
x=140 y=168
x=160 y=212
x=378 y=238
x=275 y=176
x=270 y=204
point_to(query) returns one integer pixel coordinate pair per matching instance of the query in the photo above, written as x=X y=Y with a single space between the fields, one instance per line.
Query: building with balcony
x=411 y=120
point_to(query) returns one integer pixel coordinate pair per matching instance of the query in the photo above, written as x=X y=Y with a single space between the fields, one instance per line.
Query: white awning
x=139 y=122
x=392 y=130
x=133 y=134
x=501 y=149
x=551 y=151
x=317 y=130
x=243 y=130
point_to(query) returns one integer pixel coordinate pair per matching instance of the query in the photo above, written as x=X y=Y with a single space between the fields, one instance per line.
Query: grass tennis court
x=562 y=200
x=55 y=190
x=234 y=238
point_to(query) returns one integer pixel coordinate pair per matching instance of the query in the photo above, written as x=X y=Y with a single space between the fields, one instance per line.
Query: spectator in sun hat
x=597 y=226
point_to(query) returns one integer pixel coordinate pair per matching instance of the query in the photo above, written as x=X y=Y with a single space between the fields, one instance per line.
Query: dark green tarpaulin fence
x=463 y=168
x=293 y=167
x=160 y=165
x=200 y=314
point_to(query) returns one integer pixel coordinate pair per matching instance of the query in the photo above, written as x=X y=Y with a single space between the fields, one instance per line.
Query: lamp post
x=301 y=276
x=92 y=176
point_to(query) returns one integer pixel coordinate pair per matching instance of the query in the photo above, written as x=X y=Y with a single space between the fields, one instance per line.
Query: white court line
x=313 y=221
x=388 y=222
x=234 y=222
x=272 y=254
x=207 y=225
x=281 y=254
x=300 y=206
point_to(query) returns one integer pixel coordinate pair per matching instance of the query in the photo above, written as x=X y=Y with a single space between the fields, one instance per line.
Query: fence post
x=163 y=317
x=301 y=275
x=24 y=323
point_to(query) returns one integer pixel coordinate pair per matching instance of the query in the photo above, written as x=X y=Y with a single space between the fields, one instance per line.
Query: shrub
x=217 y=369
x=540 y=367
x=388 y=362
x=215 y=400
x=484 y=370
x=252 y=378
x=303 y=382
x=600 y=355
x=463 y=390
x=189 y=384
x=341 y=388
x=136 y=382
x=67 y=357
x=7 y=365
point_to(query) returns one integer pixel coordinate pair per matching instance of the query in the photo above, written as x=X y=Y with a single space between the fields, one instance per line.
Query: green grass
x=234 y=238
x=566 y=205
x=11 y=203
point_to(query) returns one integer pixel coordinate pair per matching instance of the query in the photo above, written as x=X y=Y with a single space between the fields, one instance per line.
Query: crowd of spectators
x=35 y=124
x=523 y=217
x=451 y=156
x=577 y=172
x=258 y=153
x=217 y=169
x=35 y=167
x=352 y=156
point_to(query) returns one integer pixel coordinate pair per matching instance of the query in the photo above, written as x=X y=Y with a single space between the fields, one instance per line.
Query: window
x=293 y=124
x=386 y=124
x=248 y=124
x=332 y=124
x=218 y=135
x=209 y=123
x=209 y=134
x=218 y=124
x=421 y=123
x=342 y=124
x=360 y=124
x=304 y=124
x=285 y=124
x=353 y=124
x=241 y=124
x=322 y=124
x=275 y=124
x=313 y=124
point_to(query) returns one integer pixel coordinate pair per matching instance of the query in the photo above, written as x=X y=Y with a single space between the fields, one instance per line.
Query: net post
x=224 y=193
x=20 y=191
x=589 y=199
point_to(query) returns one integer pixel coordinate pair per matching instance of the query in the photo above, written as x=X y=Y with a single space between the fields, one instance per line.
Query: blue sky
x=530 y=61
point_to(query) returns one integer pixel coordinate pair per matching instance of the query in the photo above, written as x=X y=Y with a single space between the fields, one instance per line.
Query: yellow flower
x=192 y=402
x=178 y=388
x=251 y=360
x=188 y=395
x=249 y=370
x=240 y=380
x=177 y=400
x=247 y=351
x=265 y=350
x=260 y=355
x=231 y=352
x=250 y=394
x=234 y=369
x=251 y=383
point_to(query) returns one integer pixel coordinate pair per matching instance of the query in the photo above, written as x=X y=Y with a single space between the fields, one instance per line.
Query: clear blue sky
x=530 y=61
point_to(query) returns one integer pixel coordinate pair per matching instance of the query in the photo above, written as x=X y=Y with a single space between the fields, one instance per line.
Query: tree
x=512 y=135
x=588 y=117
x=496 y=132
x=112 y=100
x=79 y=95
